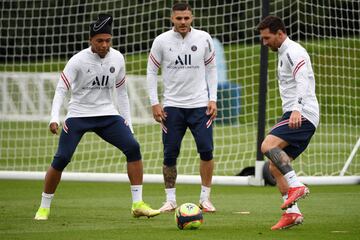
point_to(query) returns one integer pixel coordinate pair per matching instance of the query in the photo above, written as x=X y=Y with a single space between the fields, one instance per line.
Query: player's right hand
x=54 y=128
x=158 y=113
x=295 y=120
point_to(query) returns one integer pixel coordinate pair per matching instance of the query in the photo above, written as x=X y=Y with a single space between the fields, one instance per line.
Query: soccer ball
x=188 y=216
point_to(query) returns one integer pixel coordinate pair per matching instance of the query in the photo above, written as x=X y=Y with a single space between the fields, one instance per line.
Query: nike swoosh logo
x=97 y=27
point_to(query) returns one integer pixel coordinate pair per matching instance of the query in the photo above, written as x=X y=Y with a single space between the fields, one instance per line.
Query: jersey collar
x=96 y=55
x=284 y=45
x=178 y=35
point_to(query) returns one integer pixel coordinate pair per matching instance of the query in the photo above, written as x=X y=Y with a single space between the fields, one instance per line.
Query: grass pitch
x=102 y=211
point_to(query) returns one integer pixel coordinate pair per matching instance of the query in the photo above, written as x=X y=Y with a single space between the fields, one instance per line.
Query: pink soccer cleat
x=207 y=206
x=168 y=206
x=294 y=194
x=288 y=220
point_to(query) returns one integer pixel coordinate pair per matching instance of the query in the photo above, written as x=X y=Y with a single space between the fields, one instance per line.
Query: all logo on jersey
x=112 y=69
x=193 y=48
x=101 y=82
x=183 y=60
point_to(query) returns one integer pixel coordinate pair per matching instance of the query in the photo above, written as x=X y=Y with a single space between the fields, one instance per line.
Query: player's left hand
x=53 y=127
x=158 y=113
x=295 y=120
x=211 y=110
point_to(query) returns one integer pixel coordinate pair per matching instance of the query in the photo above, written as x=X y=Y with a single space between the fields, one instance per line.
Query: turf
x=102 y=211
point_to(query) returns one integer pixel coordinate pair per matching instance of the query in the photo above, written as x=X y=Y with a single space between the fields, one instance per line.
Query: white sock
x=46 y=199
x=136 y=193
x=170 y=194
x=293 y=209
x=205 y=193
x=292 y=179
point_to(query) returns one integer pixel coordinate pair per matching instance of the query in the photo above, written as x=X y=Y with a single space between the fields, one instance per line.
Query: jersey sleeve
x=299 y=62
x=122 y=95
x=210 y=68
x=153 y=65
x=67 y=76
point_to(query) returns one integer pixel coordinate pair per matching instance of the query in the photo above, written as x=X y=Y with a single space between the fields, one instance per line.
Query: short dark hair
x=181 y=6
x=273 y=23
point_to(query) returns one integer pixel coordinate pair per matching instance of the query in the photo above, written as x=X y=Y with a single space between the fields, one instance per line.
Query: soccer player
x=187 y=58
x=91 y=76
x=292 y=134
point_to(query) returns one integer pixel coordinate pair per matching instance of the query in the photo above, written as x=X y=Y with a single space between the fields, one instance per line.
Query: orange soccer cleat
x=288 y=220
x=294 y=194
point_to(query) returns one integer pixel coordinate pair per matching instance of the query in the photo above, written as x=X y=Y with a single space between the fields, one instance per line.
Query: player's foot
x=168 y=206
x=294 y=194
x=139 y=209
x=288 y=220
x=207 y=206
x=42 y=214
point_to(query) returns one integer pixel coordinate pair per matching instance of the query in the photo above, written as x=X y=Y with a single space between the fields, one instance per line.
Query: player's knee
x=133 y=156
x=170 y=161
x=171 y=154
x=132 y=152
x=264 y=147
x=134 y=146
x=279 y=159
x=60 y=161
x=206 y=156
x=272 y=154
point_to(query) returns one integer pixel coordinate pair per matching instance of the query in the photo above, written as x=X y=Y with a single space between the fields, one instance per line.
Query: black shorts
x=298 y=139
x=112 y=129
x=174 y=128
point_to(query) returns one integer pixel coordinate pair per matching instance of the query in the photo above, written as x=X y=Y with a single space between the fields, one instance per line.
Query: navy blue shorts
x=298 y=139
x=177 y=121
x=112 y=129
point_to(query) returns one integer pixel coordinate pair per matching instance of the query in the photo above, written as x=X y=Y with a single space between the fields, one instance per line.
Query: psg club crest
x=112 y=69
x=193 y=48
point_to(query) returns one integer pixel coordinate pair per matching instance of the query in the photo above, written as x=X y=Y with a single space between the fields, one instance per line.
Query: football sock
x=293 y=209
x=46 y=199
x=136 y=193
x=205 y=193
x=292 y=179
x=170 y=194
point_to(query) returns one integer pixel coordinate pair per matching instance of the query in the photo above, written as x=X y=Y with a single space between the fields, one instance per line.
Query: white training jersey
x=91 y=81
x=188 y=69
x=297 y=81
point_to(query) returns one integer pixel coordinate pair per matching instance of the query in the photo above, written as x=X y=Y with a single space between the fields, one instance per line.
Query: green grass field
x=102 y=211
